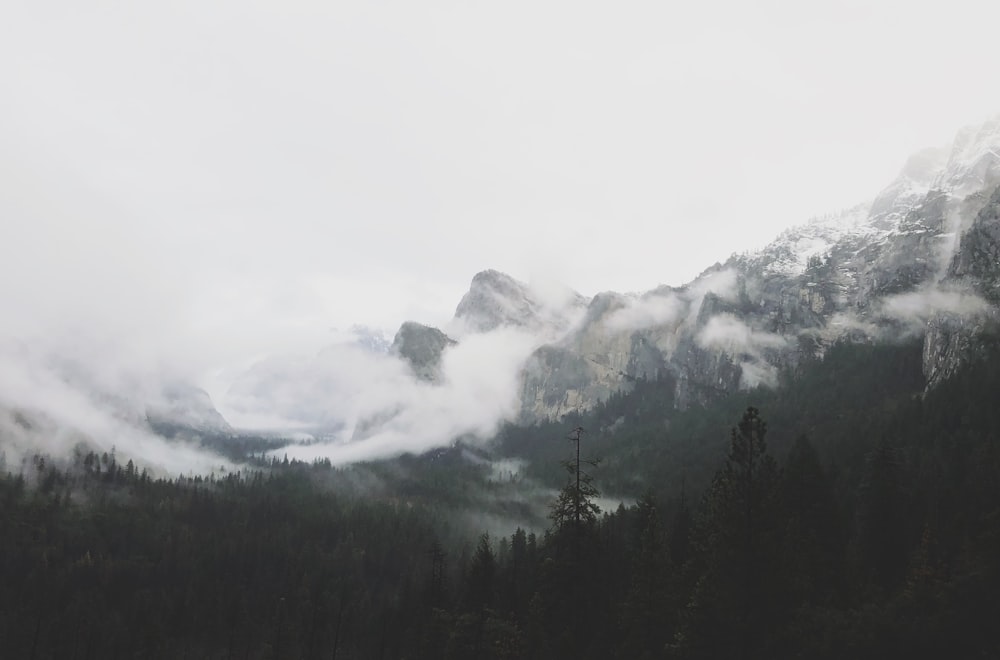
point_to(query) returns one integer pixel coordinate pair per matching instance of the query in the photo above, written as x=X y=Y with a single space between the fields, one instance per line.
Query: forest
x=846 y=513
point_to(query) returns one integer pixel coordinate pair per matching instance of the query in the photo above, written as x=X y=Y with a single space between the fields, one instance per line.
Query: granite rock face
x=920 y=259
x=421 y=346
x=496 y=300
x=955 y=337
x=978 y=256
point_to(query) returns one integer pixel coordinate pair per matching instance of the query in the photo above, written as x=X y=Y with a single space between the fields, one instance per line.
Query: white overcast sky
x=211 y=179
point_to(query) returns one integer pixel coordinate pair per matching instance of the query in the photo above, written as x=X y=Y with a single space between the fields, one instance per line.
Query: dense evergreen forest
x=844 y=514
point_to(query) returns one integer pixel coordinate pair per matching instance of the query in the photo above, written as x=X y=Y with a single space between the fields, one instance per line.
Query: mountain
x=497 y=300
x=60 y=408
x=187 y=410
x=370 y=339
x=919 y=259
x=421 y=346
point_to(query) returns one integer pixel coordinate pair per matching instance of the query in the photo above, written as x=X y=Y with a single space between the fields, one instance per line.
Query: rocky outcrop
x=977 y=261
x=558 y=380
x=497 y=300
x=597 y=358
x=494 y=300
x=421 y=346
x=955 y=338
x=951 y=342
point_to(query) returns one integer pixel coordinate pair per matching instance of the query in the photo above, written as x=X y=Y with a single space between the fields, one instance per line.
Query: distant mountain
x=920 y=262
x=497 y=300
x=421 y=346
x=186 y=409
x=371 y=339
x=64 y=407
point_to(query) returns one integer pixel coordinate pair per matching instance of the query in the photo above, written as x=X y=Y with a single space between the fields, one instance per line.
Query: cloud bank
x=364 y=405
x=917 y=307
x=726 y=333
x=46 y=408
x=647 y=312
x=668 y=306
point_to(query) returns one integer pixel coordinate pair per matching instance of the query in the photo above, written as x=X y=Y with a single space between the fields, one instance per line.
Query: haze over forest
x=517 y=331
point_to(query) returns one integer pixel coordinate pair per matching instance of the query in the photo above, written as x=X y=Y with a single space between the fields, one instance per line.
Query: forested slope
x=846 y=514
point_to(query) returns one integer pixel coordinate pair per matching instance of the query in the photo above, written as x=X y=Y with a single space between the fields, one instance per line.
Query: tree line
x=882 y=543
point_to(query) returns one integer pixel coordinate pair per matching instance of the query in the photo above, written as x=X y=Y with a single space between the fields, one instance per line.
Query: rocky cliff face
x=421 y=346
x=978 y=256
x=497 y=300
x=954 y=335
x=587 y=364
x=921 y=258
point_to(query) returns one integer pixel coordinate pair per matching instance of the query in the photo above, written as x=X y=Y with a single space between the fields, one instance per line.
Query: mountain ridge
x=890 y=266
x=920 y=259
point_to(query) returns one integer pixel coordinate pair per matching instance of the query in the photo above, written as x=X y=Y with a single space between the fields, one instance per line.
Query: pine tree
x=567 y=600
x=882 y=519
x=814 y=547
x=575 y=511
x=645 y=613
x=480 y=583
x=680 y=532
x=735 y=593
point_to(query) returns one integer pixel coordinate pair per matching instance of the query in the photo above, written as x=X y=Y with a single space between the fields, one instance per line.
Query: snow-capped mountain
x=920 y=258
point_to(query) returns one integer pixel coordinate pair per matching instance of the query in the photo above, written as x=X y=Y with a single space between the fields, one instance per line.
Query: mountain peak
x=421 y=346
x=184 y=407
x=974 y=160
x=496 y=300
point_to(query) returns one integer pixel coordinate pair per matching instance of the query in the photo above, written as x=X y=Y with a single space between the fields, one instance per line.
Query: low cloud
x=47 y=409
x=917 y=307
x=843 y=323
x=364 y=405
x=722 y=283
x=725 y=332
x=671 y=306
x=757 y=374
x=647 y=312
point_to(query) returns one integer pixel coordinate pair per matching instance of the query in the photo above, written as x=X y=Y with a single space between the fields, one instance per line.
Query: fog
x=725 y=332
x=352 y=401
x=915 y=308
x=45 y=410
x=212 y=194
x=368 y=405
x=668 y=306
x=650 y=311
